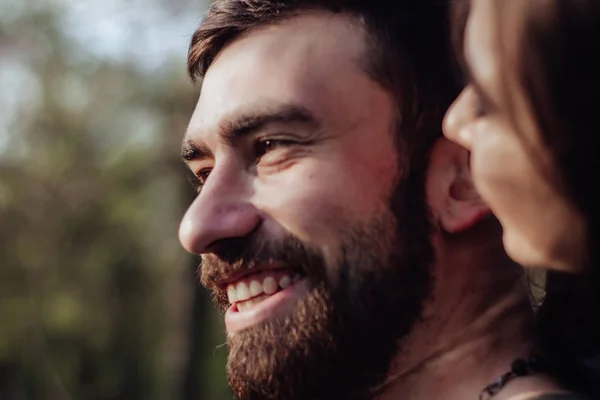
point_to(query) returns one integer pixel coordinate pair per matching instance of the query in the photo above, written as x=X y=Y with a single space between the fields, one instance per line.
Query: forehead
x=313 y=61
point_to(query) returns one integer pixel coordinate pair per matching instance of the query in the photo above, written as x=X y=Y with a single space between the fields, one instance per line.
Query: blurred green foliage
x=97 y=298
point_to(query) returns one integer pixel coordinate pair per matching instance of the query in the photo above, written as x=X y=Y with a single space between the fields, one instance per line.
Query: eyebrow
x=251 y=122
x=191 y=151
x=248 y=123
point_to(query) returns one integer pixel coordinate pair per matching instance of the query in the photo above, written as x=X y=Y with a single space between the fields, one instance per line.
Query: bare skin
x=511 y=166
x=336 y=164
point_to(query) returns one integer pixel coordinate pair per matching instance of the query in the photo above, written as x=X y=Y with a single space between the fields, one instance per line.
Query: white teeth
x=285 y=282
x=243 y=293
x=249 y=303
x=269 y=285
x=255 y=288
x=244 y=305
x=231 y=294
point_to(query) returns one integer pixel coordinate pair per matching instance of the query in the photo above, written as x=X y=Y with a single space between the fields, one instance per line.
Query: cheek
x=316 y=200
x=506 y=179
x=496 y=163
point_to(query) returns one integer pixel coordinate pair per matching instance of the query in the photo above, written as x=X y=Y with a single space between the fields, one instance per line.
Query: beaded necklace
x=519 y=367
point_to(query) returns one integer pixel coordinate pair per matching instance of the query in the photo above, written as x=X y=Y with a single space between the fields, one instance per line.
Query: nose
x=222 y=210
x=456 y=125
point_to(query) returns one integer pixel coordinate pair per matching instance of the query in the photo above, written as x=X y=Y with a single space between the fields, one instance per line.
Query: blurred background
x=97 y=298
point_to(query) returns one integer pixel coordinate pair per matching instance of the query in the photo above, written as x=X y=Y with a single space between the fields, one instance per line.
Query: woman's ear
x=452 y=195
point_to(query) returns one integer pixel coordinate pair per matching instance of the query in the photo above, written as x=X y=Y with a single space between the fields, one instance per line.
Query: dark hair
x=558 y=69
x=408 y=53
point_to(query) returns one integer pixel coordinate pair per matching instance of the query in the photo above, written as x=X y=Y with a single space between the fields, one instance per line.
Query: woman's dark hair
x=557 y=68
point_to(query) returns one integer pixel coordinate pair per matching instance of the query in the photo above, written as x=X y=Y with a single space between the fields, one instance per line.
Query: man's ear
x=452 y=195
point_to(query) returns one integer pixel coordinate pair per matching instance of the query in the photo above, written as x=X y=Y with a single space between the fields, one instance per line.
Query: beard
x=341 y=337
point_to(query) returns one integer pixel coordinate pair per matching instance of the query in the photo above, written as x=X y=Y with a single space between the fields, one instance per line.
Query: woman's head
x=529 y=117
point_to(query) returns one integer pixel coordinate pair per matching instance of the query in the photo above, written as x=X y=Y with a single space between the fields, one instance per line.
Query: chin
x=528 y=253
x=522 y=251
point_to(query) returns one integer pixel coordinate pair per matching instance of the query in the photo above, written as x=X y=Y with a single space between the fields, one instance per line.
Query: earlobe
x=464 y=207
x=451 y=192
x=460 y=215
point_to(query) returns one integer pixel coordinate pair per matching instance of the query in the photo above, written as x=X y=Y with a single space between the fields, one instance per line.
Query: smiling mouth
x=262 y=295
x=250 y=290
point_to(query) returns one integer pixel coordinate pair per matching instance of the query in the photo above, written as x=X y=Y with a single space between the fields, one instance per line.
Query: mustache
x=241 y=255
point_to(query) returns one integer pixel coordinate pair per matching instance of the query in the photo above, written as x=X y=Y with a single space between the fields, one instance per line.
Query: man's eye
x=199 y=179
x=203 y=175
x=263 y=146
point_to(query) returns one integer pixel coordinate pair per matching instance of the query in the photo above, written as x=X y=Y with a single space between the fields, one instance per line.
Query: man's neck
x=477 y=323
x=459 y=361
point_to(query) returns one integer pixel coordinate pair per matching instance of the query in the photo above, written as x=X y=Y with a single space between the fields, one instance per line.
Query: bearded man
x=339 y=233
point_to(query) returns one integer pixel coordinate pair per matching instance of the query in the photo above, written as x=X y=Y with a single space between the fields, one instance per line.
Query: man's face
x=302 y=222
